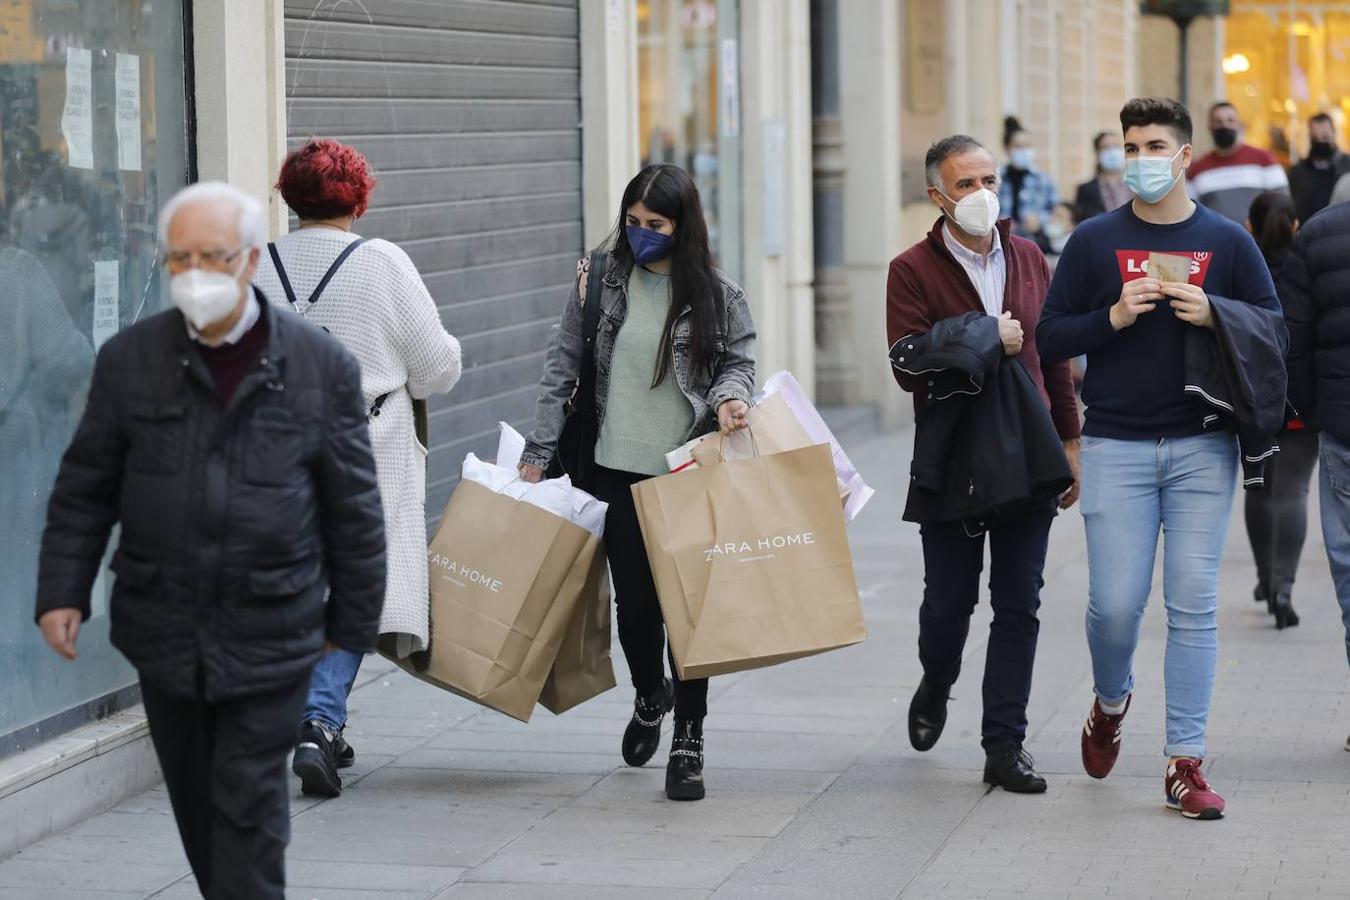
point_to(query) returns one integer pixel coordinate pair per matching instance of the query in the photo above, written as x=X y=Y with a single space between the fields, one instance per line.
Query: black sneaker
x=643 y=734
x=316 y=761
x=684 y=772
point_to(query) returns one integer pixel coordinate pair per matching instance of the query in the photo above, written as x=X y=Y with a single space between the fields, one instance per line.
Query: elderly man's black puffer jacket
x=235 y=520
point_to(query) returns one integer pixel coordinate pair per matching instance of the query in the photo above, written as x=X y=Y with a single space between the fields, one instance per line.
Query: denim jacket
x=732 y=376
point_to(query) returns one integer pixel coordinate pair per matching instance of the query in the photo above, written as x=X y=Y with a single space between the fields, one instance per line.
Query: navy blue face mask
x=649 y=246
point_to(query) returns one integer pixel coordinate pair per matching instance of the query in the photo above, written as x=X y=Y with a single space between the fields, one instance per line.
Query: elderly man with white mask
x=230 y=443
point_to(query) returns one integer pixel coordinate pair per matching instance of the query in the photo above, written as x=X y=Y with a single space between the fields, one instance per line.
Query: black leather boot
x=684 y=772
x=1285 y=617
x=927 y=715
x=643 y=734
x=1011 y=769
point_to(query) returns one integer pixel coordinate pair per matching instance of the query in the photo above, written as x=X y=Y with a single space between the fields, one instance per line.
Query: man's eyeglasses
x=182 y=260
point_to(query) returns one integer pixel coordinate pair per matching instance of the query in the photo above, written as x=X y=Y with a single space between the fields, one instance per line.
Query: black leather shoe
x=1011 y=769
x=316 y=763
x=1285 y=617
x=927 y=715
x=643 y=734
x=684 y=772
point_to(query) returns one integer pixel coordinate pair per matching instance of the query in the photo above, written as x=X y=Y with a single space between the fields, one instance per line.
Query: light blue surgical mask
x=1111 y=159
x=1150 y=177
x=1022 y=158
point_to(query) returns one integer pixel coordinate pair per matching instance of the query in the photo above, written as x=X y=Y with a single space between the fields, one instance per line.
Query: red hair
x=326 y=179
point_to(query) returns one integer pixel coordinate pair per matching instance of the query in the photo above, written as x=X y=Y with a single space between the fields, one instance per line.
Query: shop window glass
x=1283 y=64
x=92 y=141
x=689 y=106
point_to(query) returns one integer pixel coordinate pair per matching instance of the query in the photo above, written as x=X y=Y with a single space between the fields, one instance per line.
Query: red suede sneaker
x=1189 y=793
x=1101 y=740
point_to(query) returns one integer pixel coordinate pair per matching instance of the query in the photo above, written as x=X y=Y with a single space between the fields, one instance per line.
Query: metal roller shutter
x=470 y=111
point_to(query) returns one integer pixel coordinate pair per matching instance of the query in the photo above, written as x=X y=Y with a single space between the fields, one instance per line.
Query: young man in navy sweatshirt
x=1118 y=296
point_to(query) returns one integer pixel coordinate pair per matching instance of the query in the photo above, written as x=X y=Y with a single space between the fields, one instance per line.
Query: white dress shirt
x=988 y=272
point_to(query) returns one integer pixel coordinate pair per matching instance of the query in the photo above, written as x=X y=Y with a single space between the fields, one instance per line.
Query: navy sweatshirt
x=1133 y=389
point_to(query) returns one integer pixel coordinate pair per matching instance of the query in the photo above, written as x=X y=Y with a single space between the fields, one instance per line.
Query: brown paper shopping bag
x=506 y=577
x=583 y=668
x=773 y=428
x=751 y=561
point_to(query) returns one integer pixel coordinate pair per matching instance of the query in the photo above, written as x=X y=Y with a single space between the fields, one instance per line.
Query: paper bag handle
x=722 y=444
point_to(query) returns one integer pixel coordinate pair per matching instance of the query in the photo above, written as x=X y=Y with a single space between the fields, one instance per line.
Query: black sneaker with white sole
x=317 y=761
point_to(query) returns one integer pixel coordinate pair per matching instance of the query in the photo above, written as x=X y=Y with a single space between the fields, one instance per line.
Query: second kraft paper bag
x=751 y=561
x=506 y=577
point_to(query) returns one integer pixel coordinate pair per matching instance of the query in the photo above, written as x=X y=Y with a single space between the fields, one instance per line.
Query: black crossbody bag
x=575 y=456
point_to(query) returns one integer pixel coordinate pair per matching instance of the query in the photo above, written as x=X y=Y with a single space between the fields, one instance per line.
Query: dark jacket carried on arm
x=1314 y=289
x=984 y=442
x=969 y=399
x=1236 y=371
x=235 y=519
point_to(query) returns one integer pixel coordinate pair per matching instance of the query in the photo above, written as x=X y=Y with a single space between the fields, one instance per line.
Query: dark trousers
x=1277 y=515
x=224 y=766
x=953 y=561
x=642 y=630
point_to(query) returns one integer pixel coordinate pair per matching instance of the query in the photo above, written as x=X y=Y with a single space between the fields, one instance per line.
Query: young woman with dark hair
x=674 y=359
x=1277 y=517
x=368 y=295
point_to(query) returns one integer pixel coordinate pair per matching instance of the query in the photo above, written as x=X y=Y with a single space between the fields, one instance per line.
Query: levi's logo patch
x=1134 y=263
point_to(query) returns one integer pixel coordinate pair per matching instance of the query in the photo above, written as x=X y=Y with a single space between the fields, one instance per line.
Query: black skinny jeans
x=642 y=630
x=1277 y=515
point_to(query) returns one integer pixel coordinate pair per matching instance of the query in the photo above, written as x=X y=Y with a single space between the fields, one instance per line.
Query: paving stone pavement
x=813 y=788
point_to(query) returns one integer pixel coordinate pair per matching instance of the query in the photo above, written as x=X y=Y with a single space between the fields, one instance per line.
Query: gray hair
x=944 y=150
x=252 y=220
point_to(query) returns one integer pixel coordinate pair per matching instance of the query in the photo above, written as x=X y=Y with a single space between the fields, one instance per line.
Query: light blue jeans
x=332 y=681
x=1131 y=490
x=1334 y=484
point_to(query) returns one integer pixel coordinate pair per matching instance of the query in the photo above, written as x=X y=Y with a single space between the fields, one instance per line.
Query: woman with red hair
x=368 y=295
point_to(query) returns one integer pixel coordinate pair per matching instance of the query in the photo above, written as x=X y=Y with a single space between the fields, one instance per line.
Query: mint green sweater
x=642 y=424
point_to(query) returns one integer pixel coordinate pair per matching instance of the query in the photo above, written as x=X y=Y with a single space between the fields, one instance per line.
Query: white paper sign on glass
x=107 y=311
x=77 y=121
x=128 y=112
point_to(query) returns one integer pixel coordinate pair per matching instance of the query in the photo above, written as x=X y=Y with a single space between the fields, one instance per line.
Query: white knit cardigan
x=378 y=307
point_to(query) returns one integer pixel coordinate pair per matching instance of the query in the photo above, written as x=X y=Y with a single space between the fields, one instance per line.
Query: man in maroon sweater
x=971 y=262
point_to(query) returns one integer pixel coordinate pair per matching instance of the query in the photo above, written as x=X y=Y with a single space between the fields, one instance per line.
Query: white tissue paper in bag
x=786 y=384
x=556 y=495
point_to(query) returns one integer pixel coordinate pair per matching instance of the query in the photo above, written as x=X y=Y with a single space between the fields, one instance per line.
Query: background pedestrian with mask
x=1312 y=179
x=1228 y=178
x=1025 y=193
x=674 y=359
x=1106 y=190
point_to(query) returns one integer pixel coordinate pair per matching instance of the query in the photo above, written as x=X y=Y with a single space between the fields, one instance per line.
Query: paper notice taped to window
x=77 y=121
x=107 y=314
x=128 y=112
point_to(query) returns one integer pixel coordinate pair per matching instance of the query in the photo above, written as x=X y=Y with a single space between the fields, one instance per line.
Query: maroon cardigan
x=926 y=285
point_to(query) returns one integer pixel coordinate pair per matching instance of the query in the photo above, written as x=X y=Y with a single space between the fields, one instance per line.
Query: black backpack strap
x=332 y=270
x=281 y=274
x=590 y=310
x=378 y=405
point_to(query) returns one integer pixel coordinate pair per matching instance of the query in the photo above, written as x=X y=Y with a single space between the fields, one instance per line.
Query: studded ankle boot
x=684 y=772
x=643 y=734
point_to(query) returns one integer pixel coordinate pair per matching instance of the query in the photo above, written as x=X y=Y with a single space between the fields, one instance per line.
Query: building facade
x=502 y=135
